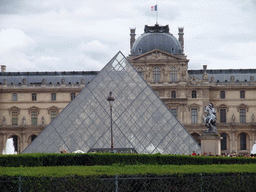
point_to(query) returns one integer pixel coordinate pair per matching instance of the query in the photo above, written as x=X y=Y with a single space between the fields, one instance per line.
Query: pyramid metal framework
x=141 y=121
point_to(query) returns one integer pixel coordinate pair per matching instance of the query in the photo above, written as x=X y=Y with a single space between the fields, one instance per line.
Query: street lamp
x=111 y=100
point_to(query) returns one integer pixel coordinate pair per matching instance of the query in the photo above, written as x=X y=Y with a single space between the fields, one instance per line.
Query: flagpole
x=156 y=13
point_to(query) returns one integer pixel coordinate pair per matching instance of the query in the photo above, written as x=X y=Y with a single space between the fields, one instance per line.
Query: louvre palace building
x=29 y=101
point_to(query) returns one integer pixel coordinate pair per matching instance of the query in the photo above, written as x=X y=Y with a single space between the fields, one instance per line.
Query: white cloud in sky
x=58 y=35
x=14 y=40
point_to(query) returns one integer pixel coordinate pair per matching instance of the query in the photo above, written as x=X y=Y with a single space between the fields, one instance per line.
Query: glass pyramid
x=141 y=121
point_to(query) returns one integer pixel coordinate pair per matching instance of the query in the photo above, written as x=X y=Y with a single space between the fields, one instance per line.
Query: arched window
x=243 y=141
x=140 y=71
x=173 y=74
x=194 y=94
x=173 y=94
x=196 y=137
x=156 y=75
x=223 y=141
x=33 y=137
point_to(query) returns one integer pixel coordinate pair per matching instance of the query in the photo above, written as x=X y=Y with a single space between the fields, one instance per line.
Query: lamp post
x=111 y=101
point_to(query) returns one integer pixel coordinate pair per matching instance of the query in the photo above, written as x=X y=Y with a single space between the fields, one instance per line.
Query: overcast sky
x=83 y=35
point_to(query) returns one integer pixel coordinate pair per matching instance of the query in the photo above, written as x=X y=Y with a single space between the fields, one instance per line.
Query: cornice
x=40 y=89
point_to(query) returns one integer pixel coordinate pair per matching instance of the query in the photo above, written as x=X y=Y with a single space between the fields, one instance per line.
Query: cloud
x=79 y=35
x=14 y=40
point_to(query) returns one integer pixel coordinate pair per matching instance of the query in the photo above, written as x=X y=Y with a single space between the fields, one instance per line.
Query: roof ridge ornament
x=156 y=29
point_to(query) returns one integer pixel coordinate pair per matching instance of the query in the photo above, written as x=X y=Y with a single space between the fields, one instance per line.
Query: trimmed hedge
x=90 y=159
x=175 y=182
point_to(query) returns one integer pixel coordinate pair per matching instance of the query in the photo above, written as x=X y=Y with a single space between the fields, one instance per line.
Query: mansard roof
x=38 y=78
x=226 y=75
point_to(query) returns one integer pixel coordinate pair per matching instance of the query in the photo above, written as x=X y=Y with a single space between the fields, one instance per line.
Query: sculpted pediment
x=156 y=55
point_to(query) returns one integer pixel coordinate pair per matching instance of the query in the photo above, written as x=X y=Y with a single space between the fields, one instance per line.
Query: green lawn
x=124 y=170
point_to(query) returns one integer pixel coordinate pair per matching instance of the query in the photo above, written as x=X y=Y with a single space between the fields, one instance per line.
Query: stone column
x=23 y=141
x=233 y=143
x=4 y=142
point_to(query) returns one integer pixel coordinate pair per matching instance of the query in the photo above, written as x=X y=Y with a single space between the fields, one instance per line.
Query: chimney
x=204 y=67
x=181 y=39
x=3 y=68
x=132 y=39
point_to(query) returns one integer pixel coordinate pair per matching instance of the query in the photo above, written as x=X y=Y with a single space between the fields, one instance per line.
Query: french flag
x=154 y=8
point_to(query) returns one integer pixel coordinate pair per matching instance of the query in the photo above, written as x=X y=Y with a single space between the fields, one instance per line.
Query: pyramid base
x=210 y=143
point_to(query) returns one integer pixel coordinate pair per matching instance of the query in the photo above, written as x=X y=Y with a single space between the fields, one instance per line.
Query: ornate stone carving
x=156 y=29
x=24 y=81
x=205 y=76
x=42 y=119
x=253 y=118
x=4 y=121
x=23 y=120
x=233 y=118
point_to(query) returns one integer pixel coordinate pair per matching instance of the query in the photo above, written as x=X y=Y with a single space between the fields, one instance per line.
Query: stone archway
x=196 y=137
x=16 y=142
x=31 y=138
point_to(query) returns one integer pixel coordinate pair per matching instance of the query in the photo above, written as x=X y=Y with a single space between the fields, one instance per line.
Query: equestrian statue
x=210 y=119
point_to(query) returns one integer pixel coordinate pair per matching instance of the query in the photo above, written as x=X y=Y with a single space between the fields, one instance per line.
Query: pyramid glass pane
x=141 y=121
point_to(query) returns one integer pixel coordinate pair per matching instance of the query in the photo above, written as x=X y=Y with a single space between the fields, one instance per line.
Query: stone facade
x=184 y=91
x=187 y=92
x=28 y=105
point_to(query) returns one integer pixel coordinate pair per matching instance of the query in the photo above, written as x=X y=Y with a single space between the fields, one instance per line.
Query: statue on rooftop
x=210 y=119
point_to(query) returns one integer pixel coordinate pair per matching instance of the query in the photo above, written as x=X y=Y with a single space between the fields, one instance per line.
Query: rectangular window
x=173 y=74
x=222 y=95
x=33 y=96
x=242 y=94
x=173 y=94
x=14 y=97
x=53 y=96
x=53 y=115
x=73 y=95
x=242 y=141
x=174 y=112
x=33 y=117
x=242 y=115
x=223 y=141
x=156 y=75
x=193 y=94
x=14 y=118
x=223 y=115
x=193 y=115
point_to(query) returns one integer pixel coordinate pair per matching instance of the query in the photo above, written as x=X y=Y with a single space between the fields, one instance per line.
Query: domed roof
x=156 y=37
